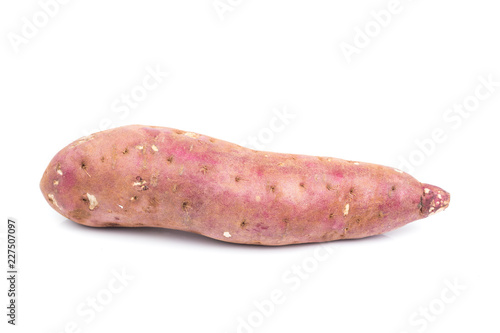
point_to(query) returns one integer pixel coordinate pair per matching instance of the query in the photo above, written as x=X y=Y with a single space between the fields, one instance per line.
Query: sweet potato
x=150 y=176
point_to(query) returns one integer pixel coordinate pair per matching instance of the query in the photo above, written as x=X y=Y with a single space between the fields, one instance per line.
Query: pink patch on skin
x=151 y=131
x=68 y=179
x=310 y=165
x=260 y=172
x=338 y=174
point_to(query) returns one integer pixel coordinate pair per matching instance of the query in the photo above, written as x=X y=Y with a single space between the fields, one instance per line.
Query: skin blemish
x=154 y=148
x=397 y=170
x=426 y=190
x=302 y=185
x=227 y=234
x=191 y=135
x=58 y=169
x=102 y=159
x=145 y=187
x=204 y=169
x=174 y=188
x=84 y=168
x=125 y=151
x=181 y=170
x=120 y=206
x=92 y=201
x=272 y=188
x=185 y=206
x=329 y=187
x=243 y=223
x=140 y=182
x=281 y=164
x=351 y=191
x=237 y=179
x=170 y=159
x=346 y=209
x=55 y=182
x=381 y=214
x=53 y=200
x=257 y=198
x=133 y=198
x=139 y=147
x=393 y=188
x=330 y=216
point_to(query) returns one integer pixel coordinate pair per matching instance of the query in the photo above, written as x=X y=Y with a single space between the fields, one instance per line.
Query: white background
x=228 y=71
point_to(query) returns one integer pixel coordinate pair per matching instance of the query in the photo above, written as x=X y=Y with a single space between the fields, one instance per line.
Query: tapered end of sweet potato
x=433 y=200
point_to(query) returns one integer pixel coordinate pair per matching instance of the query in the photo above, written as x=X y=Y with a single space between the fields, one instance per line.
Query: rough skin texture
x=137 y=176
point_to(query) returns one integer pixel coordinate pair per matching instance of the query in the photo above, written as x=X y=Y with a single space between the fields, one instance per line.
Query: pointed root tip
x=433 y=200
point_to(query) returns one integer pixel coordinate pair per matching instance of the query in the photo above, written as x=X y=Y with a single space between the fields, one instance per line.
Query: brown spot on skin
x=302 y=185
x=145 y=188
x=79 y=214
x=393 y=188
x=111 y=224
x=174 y=188
x=84 y=168
x=117 y=218
x=186 y=206
x=179 y=132
x=170 y=159
x=204 y=169
x=381 y=214
x=125 y=151
x=102 y=159
x=154 y=180
x=272 y=188
x=211 y=140
x=55 y=182
x=329 y=187
x=286 y=220
x=243 y=223
x=134 y=198
x=237 y=179
x=153 y=201
x=330 y=216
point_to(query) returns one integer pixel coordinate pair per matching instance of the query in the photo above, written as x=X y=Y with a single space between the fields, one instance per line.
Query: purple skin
x=161 y=177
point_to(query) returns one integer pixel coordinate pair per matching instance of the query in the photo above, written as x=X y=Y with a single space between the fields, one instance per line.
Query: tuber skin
x=147 y=176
